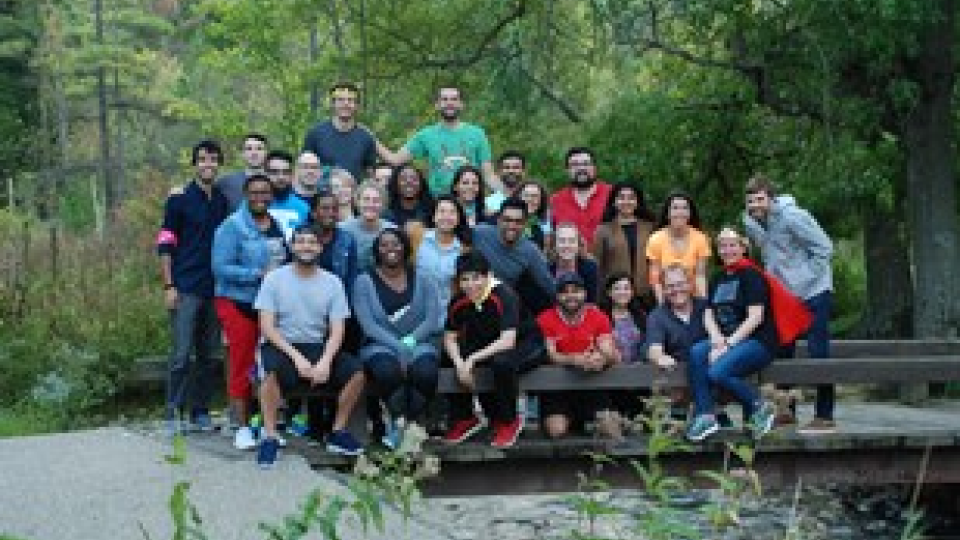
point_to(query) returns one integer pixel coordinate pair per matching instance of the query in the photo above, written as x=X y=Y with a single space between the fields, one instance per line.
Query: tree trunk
x=931 y=182
x=108 y=199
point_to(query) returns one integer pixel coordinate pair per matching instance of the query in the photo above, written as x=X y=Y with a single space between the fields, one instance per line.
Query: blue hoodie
x=241 y=255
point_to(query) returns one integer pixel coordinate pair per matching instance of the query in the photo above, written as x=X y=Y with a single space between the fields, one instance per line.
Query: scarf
x=790 y=316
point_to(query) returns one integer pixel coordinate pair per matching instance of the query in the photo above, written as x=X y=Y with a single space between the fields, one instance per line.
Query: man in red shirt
x=580 y=336
x=584 y=200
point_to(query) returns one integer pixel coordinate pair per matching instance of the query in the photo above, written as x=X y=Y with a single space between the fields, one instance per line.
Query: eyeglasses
x=309 y=166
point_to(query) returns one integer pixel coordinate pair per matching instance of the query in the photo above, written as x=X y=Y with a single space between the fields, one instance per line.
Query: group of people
x=350 y=269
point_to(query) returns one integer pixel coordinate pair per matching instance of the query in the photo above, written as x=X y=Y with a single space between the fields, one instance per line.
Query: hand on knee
x=556 y=426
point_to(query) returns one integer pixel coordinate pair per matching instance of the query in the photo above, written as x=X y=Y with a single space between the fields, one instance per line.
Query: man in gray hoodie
x=797 y=251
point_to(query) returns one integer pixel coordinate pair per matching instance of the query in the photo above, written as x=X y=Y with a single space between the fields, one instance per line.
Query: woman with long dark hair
x=538 y=227
x=409 y=202
x=620 y=241
x=447 y=238
x=679 y=239
x=467 y=188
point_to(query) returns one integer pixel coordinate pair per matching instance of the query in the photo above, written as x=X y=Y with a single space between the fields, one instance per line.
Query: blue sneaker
x=342 y=442
x=200 y=421
x=761 y=421
x=394 y=435
x=299 y=425
x=267 y=452
x=703 y=426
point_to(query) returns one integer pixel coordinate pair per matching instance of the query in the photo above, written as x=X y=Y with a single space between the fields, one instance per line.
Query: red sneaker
x=505 y=433
x=462 y=430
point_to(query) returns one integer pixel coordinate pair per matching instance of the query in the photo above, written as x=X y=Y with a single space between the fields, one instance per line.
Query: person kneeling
x=303 y=310
x=580 y=336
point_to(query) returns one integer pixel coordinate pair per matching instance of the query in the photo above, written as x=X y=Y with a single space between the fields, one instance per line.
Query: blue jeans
x=818 y=346
x=194 y=328
x=727 y=372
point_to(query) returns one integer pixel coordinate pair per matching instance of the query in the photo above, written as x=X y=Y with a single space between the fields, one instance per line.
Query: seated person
x=484 y=328
x=742 y=341
x=399 y=312
x=628 y=318
x=578 y=335
x=302 y=313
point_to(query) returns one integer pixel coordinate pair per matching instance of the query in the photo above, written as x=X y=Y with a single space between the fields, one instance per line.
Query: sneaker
x=267 y=452
x=244 y=439
x=462 y=430
x=299 y=425
x=393 y=435
x=723 y=419
x=505 y=433
x=703 y=426
x=761 y=421
x=342 y=442
x=818 y=426
x=173 y=427
x=200 y=421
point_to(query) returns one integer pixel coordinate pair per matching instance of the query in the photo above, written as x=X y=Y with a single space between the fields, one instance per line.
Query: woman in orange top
x=679 y=240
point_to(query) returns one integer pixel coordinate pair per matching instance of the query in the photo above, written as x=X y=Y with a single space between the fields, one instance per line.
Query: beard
x=449 y=114
x=510 y=180
x=302 y=260
x=583 y=180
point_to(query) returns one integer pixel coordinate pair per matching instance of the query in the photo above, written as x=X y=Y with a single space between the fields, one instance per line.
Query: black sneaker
x=342 y=442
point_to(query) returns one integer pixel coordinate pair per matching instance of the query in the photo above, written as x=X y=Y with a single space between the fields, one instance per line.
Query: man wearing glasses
x=308 y=178
x=583 y=201
x=287 y=207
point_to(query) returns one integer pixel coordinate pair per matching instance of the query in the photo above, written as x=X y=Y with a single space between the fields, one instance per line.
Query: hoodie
x=794 y=247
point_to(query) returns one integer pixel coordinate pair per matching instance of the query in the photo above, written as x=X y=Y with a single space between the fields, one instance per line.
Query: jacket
x=612 y=253
x=241 y=253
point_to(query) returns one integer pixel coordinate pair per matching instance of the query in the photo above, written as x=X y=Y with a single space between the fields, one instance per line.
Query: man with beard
x=303 y=310
x=185 y=243
x=287 y=208
x=340 y=142
x=513 y=258
x=254 y=151
x=579 y=336
x=513 y=171
x=246 y=246
x=584 y=200
x=307 y=178
x=339 y=253
x=797 y=251
x=447 y=145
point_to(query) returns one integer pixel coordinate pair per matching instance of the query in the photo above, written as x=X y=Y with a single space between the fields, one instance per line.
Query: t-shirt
x=446 y=150
x=732 y=293
x=290 y=213
x=659 y=250
x=574 y=338
x=480 y=325
x=675 y=335
x=353 y=150
x=628 y=337
x=304 y=306
x=564 y=208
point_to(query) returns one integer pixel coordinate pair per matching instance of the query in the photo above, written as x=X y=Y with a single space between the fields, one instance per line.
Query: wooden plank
x=859 y=348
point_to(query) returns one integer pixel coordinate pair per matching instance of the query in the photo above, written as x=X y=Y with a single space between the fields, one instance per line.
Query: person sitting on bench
x=302 y=313
x=580 y=336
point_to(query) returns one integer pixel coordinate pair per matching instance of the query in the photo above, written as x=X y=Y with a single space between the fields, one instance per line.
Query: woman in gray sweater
x=399 y=312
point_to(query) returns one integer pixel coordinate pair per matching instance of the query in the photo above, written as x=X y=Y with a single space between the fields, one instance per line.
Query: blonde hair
x=369 y=184
x=732 y=233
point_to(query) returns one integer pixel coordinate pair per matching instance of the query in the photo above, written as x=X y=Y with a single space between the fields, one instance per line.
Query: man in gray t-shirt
x=303 y=310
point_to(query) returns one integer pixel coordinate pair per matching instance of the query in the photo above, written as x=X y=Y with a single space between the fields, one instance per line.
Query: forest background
x=847 y=104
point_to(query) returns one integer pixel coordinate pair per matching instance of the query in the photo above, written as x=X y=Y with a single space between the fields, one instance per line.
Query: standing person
x=368 y=224
x=344 y=187
x=185 y=243
x=339 y=141
x=796 y=251
x=743 y=340
x=578 y=335
x=247 y=245
x=620 y=242
x=468 y=189
x=339 y=249
x=585 y=199
x=302 y=313
x=399 y=311
x=409 y=202
x=514 y=259
x=382 y=173
x=307 y=179
x=447 y=239
x=512 y=168
x=568 y=258
x=679 y=239
x=484 y=327
x=254 y=153
x=538 y=228
x=447 y=145
x=287 y=208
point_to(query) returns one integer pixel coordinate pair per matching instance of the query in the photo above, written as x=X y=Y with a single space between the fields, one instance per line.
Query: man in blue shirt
x=185 y=243
x=288 y=208
x=340 y=142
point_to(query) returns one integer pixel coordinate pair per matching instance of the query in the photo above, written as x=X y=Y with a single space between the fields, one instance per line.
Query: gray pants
x=193 y=324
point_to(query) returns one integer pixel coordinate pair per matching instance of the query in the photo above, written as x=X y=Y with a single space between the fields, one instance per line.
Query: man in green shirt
x=447 y=145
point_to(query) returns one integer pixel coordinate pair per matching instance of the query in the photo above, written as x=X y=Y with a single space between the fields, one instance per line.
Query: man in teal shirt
x=447 y=145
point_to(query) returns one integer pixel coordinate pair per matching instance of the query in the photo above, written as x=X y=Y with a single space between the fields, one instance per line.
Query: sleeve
x=417 y=145
x=809 y=234
x=169 y=235
x=544 y=322
x=370 y=154
x=656 y=333
x=339 y=307
x=510 y=318
x=484 y=153
x=266 y=296
x=540 y=270
x=431 y=322
x=364 y=294
x=755 y=290
x=653 y=246
x=702 y=245
x=601 y=323
x=226 y=246
x=310 y=141
x=453 y=322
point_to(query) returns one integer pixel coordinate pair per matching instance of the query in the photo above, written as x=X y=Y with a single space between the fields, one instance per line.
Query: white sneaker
x=244 y=440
